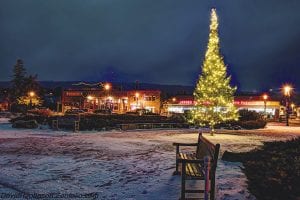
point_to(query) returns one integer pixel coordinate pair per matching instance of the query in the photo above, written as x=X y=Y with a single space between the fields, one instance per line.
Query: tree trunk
x=212 y=130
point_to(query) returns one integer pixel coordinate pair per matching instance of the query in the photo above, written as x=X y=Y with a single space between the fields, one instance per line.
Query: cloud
x=162 y=41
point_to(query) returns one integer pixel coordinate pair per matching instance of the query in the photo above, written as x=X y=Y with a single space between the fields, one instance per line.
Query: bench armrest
x=185 y=144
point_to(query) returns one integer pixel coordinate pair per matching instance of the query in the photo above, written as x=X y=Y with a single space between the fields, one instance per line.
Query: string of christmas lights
x=213 y=93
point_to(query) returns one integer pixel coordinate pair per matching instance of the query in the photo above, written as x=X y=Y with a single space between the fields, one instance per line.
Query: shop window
x=149 y=98
x=116 y=107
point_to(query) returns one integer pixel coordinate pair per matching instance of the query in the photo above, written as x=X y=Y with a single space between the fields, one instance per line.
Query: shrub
x=252 y=124
x=273 y=171
x=38 y=118
x=247 y=115
x=101 y=121
x=31 y=124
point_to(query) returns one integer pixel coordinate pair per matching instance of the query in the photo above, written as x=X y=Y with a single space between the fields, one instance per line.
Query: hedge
x=273 y=171
x=100 y=121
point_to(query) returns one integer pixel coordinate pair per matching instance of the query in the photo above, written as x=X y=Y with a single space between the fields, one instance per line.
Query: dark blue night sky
x=161 y=41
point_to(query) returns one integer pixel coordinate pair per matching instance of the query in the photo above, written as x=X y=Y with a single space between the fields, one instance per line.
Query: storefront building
x=144 y=99
x=180 y=104
x=4 y=103
x=92 y=99
x=256 y=103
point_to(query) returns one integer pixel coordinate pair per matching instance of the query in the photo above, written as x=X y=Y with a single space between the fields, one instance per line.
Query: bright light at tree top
x=214 y=20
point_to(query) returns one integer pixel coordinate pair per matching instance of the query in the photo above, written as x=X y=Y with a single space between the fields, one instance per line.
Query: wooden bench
x=198 y=165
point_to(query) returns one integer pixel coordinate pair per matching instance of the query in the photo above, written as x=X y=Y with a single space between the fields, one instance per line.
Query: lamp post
x=292 y=106
x=137 y=99
x=107 y=87
x=265 y=98
x=287 y=89
x=31 y=94
x=91 y=101
x=110 y=101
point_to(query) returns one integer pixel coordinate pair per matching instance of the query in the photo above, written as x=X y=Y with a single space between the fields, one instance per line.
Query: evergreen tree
x=32 y=84
x=18 y=81
x=22 y=85
x=213 y=93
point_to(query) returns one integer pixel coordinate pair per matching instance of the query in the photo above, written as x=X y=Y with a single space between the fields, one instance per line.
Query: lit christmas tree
x=213 y=93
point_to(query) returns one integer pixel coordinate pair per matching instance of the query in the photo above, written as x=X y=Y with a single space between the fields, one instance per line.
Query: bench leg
x=176 y=170
x=183 y=182
x=212 y=188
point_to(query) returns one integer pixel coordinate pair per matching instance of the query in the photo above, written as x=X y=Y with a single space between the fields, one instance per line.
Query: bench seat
x=193 y=170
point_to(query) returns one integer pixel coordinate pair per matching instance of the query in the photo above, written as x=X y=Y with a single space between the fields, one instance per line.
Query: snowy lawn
x=116 y=164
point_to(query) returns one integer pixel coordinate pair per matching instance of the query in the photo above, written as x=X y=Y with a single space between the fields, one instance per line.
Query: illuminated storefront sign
x=73 y=93
x=186 y=102
x=237 y=103
x=259 y=106
x=178 y=109
x=256 y=103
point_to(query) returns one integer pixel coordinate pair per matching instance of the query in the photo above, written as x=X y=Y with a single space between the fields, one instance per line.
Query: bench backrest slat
x=207 y=148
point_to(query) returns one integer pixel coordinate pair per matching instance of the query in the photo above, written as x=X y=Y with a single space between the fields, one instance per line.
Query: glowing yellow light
x=107 y=86
x=173 y=99
x=110 y=98
x=265 y=96
x=137 y=94
x=90 y=97
x=31 y=94
x=292 y=105
x=287 y=89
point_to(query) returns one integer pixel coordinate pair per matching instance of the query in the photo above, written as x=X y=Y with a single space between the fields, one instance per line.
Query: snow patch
x=116 y=165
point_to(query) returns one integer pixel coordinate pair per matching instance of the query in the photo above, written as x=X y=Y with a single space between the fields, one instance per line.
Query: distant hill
x=168 y=89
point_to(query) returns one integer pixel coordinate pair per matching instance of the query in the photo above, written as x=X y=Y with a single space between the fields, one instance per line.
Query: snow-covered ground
x=116 y=164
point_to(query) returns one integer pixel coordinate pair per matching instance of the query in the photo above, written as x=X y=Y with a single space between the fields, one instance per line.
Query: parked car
x=74 y=112
x=132 y=113
x=142 y=111
x=41 y=111
x=103 y=111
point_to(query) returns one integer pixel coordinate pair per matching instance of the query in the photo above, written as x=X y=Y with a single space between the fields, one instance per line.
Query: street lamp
x=287 y=89
x=31 y=94
x=107 y=86
x=265 y=98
